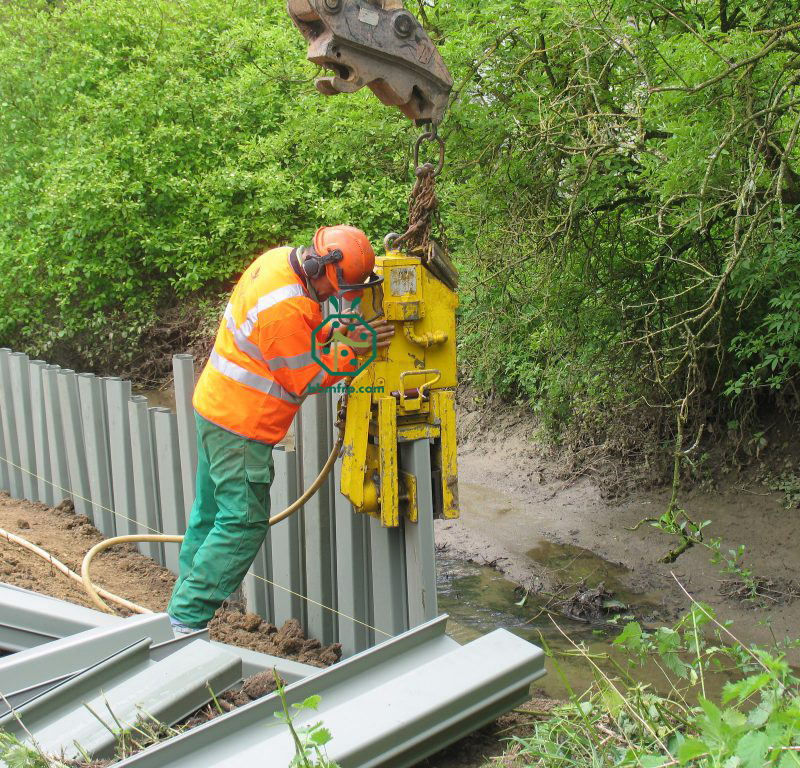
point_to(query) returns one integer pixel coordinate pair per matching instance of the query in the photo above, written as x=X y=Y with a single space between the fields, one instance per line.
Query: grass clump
x=723 y=704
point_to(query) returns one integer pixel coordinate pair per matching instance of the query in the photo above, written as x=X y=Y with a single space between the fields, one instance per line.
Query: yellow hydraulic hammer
x=409 y=391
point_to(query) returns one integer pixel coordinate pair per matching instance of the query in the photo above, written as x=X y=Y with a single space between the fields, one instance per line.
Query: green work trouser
x=228 y=523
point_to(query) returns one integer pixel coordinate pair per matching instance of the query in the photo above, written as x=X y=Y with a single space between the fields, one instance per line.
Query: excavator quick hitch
x=378 y=44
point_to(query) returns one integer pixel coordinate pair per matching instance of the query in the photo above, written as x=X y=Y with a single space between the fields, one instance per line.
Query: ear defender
x=314 y=265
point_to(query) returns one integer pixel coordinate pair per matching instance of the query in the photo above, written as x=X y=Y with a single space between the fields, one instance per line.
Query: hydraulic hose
x=31 y=547
x=96 y=594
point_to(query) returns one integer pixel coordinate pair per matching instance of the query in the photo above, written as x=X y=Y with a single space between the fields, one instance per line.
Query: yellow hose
x=67 y=572
x=95 y=594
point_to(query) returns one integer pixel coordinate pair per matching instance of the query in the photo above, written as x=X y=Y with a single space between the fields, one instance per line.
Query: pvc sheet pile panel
x=83 y=714
x=29 y=672
x=130 y=469
x=392 y=705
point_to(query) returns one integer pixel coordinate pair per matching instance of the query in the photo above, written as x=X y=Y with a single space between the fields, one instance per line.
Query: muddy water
x=480 y=600
x=570 y=564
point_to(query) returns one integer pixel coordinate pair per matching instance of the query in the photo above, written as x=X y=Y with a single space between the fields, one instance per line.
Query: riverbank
x=546 y=534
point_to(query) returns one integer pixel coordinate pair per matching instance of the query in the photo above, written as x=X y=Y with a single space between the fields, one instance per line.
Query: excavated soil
x=252 y=689
x=68 y=537
x=248 y=630
x=126 y=572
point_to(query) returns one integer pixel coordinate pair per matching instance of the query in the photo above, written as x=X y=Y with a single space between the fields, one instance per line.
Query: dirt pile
x=249 y=630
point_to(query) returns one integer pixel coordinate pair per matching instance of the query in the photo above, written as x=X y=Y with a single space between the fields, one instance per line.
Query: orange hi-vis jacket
x=261 y=368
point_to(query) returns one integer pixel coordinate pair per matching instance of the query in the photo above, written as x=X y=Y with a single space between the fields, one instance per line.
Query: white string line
x=161 y=533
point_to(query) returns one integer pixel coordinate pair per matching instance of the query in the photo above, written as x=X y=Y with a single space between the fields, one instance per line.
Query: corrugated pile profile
x=78 y=675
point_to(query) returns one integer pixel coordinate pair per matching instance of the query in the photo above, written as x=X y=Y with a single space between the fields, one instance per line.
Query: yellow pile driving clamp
x=407 y=393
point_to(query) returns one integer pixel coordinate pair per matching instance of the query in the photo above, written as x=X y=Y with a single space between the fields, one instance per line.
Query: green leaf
x=630 y=637
x=669 y=643
x=752 y=748
x=320 y=736
x=789 y=760
x=743 y=688
x=651 y=761
x=613 y=700
x=691 y=749
x=734 y=718
x=760 y=714
x=312 y=702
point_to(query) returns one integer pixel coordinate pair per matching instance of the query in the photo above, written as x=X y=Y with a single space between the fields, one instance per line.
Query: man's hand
x=384 y=330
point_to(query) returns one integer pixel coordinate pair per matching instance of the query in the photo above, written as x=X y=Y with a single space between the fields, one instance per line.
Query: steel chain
x=423 y=203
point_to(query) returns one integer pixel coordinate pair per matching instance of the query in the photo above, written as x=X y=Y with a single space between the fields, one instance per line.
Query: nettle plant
x=310 y=740
x=752 y=721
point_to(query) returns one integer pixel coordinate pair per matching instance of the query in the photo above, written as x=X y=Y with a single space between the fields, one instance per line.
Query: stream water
x=479 y=600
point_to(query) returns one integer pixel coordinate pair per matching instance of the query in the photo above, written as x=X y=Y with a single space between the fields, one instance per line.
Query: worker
x=259 y=372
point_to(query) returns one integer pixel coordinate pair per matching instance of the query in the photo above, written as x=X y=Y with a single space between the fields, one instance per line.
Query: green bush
x=629 y=173
x=150 y=149
x=750 y=721
x=621 y=191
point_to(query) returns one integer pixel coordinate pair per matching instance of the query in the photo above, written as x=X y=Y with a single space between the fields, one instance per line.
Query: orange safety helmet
x=346 y=255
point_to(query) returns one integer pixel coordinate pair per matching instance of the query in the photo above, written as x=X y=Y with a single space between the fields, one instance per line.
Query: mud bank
x=543 y=532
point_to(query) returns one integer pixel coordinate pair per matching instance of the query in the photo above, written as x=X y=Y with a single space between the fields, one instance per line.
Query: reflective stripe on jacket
x=261 y=366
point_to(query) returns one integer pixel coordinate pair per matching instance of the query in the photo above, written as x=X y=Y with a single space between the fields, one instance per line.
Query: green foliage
x=732 y=562
x=628 y=174
x=151 y=149
x=309 y=740
x=752 y=721
x=621 y=192
x=770 y=351
x=15 y=754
